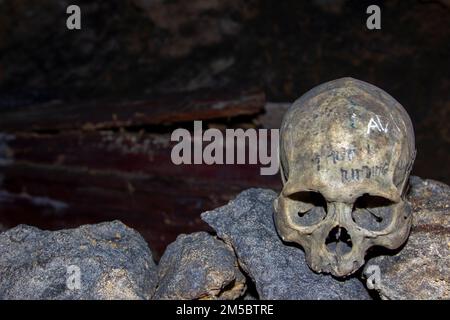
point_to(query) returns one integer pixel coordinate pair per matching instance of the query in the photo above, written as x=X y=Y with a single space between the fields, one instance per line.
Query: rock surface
x=114 y=262
x=198 y=266
x=278 y=270
x=421 y=269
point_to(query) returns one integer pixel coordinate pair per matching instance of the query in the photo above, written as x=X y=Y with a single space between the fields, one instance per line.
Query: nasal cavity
x=339 y=241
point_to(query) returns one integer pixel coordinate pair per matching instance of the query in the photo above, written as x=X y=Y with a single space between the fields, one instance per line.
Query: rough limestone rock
x=199 y=266
x=421 y=270
x=112 y=261
x=278 y=270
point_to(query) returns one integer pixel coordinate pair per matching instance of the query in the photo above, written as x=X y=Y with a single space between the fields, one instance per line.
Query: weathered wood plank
x=147 y=111
x=68 y=179
x=121 y=151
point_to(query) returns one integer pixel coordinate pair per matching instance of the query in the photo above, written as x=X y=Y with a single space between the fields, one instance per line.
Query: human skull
x=346 y=151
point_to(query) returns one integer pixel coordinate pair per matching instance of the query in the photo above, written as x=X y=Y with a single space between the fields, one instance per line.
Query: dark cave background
x=86 y=115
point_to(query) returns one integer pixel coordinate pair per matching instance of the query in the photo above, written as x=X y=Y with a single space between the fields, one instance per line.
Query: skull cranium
x=346 y=151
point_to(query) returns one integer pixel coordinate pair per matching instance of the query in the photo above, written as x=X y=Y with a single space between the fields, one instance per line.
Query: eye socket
x=373 y=213
x=309 y=208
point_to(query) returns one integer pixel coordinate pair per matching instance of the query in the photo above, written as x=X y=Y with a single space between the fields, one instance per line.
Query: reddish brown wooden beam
x=68 y=179
x=147 y=111
x=125 y=152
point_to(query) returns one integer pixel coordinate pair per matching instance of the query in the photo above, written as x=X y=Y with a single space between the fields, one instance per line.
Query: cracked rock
x=279 y=271
x=421 y=269
x=102 y=261
x=199 y=266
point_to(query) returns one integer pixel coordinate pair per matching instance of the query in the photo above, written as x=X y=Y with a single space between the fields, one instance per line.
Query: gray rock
x=198 y=266
x=421 y=269
x=112 y=261
x=278 y=270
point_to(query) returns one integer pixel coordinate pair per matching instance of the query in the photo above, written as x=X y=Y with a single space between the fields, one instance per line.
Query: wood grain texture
x=67 y=178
